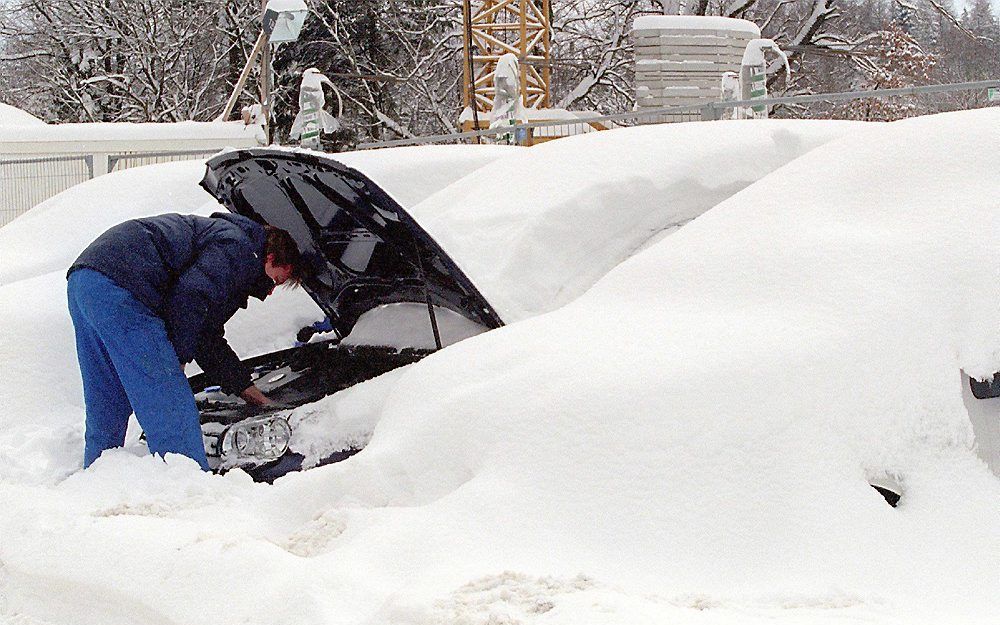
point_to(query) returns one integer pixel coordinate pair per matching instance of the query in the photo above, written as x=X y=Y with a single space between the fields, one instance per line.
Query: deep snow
x=686 y=441
x=537 y=229
x=13 y=116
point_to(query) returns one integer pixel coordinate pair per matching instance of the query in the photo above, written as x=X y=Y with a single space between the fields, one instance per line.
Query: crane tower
x=497 y=27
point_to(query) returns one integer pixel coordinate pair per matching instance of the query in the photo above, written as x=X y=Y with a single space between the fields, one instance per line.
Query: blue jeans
x=128 y=364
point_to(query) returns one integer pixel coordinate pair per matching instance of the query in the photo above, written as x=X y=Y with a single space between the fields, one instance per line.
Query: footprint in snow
x=315 y=537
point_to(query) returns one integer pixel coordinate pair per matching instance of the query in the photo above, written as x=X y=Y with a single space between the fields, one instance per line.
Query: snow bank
x=540 y=227
x=12 y=116
x=702 y=421
x=695 y=433
x=688 y=441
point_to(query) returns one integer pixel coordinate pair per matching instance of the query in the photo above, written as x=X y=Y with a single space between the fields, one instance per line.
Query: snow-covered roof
x=12 y=116
x=287 y=5
x=694 y=22
x=129 y=131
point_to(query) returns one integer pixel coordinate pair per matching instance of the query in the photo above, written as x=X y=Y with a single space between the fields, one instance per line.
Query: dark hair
x=285 y=251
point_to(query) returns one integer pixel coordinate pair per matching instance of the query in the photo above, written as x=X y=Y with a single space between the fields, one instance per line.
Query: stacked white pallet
x=680 y=59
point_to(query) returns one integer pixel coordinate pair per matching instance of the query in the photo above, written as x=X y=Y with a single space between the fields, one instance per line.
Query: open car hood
x=364 y=250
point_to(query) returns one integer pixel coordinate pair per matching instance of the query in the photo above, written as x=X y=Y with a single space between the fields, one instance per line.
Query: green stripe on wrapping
x=310 y=134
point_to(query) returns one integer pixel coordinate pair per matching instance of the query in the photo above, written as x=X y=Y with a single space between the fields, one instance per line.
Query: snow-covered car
x=365 y=253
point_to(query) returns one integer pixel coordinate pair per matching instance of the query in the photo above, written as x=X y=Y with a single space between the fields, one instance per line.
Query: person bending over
x=150 y=295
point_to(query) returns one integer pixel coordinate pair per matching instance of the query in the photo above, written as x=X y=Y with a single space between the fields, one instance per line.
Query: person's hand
x=253 y=396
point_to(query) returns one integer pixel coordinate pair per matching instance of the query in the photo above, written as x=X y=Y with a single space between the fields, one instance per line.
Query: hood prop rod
x=427 y=295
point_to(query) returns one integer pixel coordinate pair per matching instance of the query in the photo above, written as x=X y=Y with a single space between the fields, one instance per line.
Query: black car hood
x=364 y=250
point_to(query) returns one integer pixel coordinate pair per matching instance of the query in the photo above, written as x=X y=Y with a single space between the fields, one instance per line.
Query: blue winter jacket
x=194 y=273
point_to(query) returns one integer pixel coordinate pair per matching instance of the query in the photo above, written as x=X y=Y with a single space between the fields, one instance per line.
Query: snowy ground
x=682 y=435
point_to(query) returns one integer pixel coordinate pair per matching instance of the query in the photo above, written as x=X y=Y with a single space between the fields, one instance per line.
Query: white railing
x=33 y=170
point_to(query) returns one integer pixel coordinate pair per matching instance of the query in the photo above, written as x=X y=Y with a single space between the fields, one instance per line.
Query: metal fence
x=118 y=162
x=827 y=105
x=24 y=182
x=33 y=171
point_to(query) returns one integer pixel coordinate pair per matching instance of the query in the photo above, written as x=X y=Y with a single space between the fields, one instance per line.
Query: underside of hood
x=363 y=248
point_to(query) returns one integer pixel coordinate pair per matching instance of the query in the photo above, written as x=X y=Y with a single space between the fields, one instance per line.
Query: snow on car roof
x=699 y=428
x=535 y=230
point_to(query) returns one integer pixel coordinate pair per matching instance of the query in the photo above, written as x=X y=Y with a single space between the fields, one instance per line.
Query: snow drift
x=687 y=441
x=540 y=227
x=13 y=116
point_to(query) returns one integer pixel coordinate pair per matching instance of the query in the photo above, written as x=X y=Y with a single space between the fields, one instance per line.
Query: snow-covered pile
x=12 y=116
x=688 y=441
x=695 y=433
x=537 y=229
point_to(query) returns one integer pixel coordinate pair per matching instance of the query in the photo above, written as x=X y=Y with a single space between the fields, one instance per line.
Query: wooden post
x=547 y=53
x=265 y=83
x=238 y=89
x=522 y=56
x=467 y=86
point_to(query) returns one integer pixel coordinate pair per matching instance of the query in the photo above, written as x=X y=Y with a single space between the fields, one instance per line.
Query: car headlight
x=256 y=440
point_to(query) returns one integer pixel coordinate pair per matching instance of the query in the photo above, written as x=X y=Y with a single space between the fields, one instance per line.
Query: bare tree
x=593 y=52
x=398 y=63
x=122 y=60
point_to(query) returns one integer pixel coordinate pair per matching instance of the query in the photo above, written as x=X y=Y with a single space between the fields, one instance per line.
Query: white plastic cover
x=507 y=106
x=311 y=118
